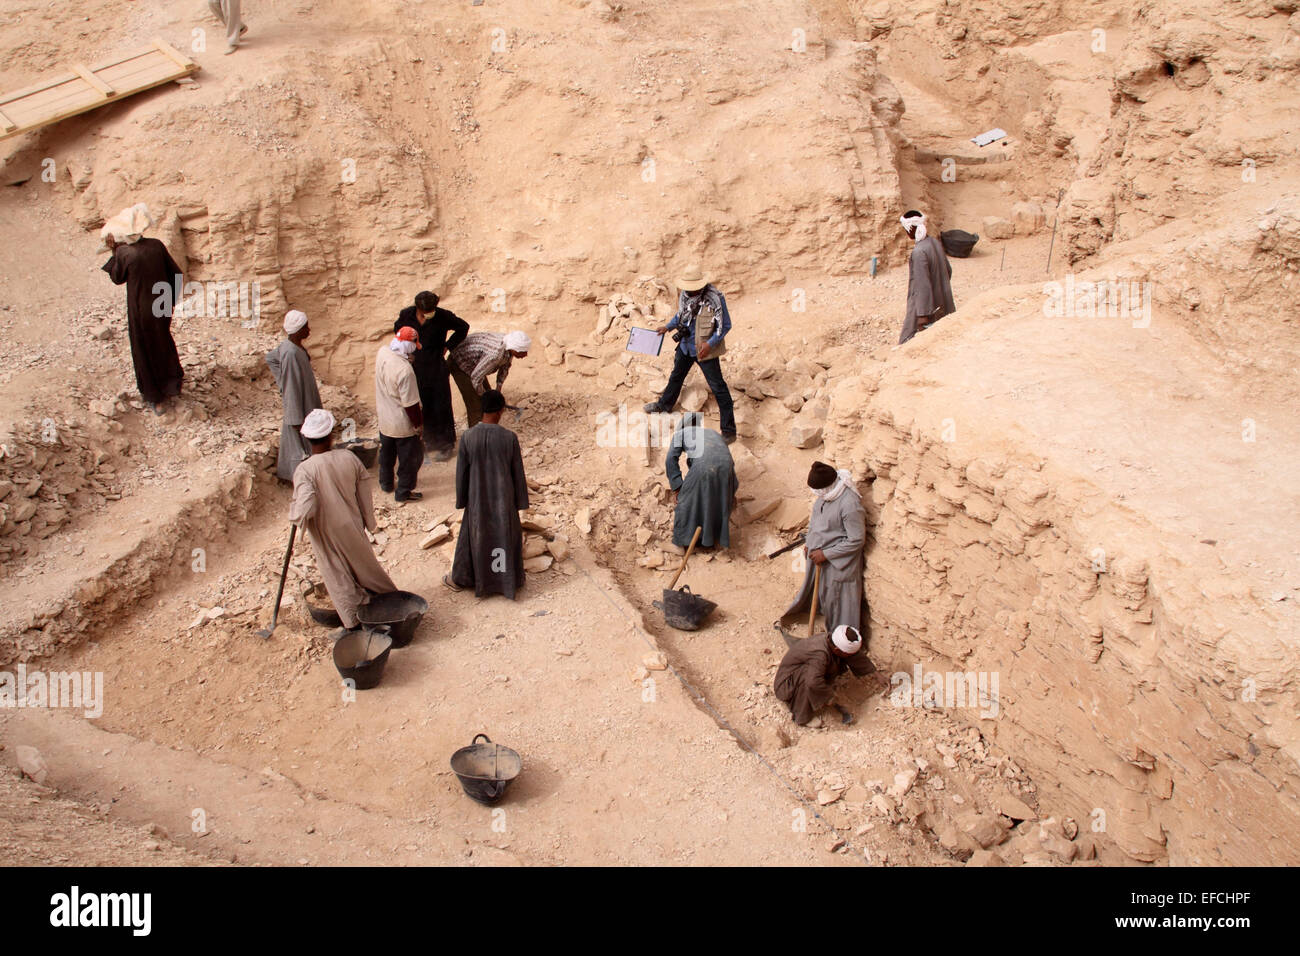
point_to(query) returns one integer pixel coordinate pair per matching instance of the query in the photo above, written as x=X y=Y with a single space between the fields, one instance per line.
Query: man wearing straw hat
x=331 y=499
x=836 y=534
x=704 y=322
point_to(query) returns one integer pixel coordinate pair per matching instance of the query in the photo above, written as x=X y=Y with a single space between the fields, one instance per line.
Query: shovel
x=265 y=634
x=817 y=581
x=790 y=639
x=686 y=557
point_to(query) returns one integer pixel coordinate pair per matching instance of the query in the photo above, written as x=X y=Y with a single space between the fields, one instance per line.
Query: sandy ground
x=641 y=744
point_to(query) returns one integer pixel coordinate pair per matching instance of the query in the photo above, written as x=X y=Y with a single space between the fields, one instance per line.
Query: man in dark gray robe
x=929 y=289
x=490 y=486
x=837 y=532
x=707 y=494
x=291 y=366
x=153 y=282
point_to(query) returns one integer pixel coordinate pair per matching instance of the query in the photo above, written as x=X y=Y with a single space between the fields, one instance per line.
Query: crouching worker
x=807 y=673
x=331 y=500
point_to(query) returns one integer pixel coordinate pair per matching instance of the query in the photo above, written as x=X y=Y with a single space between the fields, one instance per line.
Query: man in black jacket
x=430 y=363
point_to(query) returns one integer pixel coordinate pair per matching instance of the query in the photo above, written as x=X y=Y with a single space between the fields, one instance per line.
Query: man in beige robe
x=331 y=500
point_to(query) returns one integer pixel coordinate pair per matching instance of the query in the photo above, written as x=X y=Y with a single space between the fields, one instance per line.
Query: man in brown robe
x=490 y=486
x=153 y=281
x=929 y=274
x=331 y=499
x=807 y=672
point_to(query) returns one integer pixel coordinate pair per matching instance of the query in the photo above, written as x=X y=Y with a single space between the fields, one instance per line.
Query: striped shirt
x=481 y=354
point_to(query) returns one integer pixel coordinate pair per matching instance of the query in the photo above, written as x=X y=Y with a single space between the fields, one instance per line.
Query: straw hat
x=694 y=280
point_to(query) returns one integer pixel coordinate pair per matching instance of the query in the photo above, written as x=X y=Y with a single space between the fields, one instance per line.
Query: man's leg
x=712 y=369
x=234 y=23
x=215 y=7
x=387 y=459
x=410 y=455
x=473 y=408
x=681 y=365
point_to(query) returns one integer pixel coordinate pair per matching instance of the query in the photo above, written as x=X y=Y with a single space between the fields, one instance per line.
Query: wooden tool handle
x=817 y=580
x=685 y=558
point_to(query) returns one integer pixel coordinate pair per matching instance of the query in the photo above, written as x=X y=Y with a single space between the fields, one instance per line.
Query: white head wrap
x=294 y=321
x=402 y=347
x=128 y=225
x=847 y=639
x=917 y=219
x=518 y=342
x=317 y=425
x=836 y=488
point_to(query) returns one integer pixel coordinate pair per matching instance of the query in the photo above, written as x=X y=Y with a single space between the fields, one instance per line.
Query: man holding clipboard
x=702 y=322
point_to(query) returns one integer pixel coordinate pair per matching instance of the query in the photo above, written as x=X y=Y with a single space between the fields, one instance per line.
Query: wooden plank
x=32 y=90
x=171 y=53
x=68 y=94
x=59 y=78
x=6 y=123
x=84 y=72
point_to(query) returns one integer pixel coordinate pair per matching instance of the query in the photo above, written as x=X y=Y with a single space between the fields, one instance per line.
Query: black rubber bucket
x=322 y=613
x=958 y=243
x=400 y=610
x=361 y=656
x=485 y=770
x=366 y=449
x=685 y=611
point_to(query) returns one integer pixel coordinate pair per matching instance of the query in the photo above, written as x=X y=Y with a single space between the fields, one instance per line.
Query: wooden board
x=84 y=88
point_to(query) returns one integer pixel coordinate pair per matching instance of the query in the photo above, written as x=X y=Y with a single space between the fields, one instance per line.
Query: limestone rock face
x=334 y=201
x=1142 y=656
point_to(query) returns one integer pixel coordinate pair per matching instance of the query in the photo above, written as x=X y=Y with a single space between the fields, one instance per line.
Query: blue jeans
x=712 y=369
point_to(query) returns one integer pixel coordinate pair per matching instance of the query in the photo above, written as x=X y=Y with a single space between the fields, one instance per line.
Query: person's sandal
x=446 y=579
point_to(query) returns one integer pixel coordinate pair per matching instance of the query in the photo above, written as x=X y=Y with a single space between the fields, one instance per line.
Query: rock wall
x=1119 y=686
x=1143 y=627
x=342 y=180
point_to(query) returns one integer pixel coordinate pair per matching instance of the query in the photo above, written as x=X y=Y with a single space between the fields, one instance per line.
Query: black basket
x=366 y=450
x=361 y=656
x=958 y=243
x=686 y=611
x=400 y=610
x=485 y=770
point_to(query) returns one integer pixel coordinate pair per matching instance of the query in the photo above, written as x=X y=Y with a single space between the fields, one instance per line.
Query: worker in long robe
x=707 y=494
x=294 y=377
x=490 y=486
x=141 y=264
x=331 y=499
x=807 y=673
x=929 y=275
x=836 y=535
x=440 y=330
